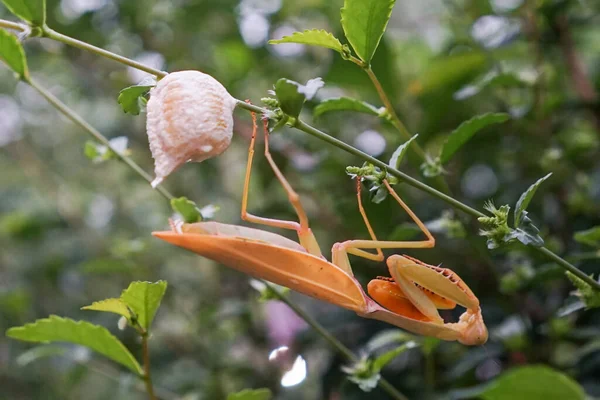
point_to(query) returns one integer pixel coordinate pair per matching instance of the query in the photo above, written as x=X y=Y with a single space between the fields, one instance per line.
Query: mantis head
x=473 y=330
x=418 y=290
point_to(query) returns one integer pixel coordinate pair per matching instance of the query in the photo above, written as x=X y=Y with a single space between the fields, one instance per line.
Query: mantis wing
x=299 y=271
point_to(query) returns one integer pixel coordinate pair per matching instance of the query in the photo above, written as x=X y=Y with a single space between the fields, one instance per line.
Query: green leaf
x=493 y=80
x=99 y=153
x=398 y=155
x=143 y=298
x=251 y=394
x=533 y=383
x=388 y=356
x=11 y=53
x=292 y=95
x=432 y=167
x=362 y=373
x=91 y=150
x=346 y=104
x=97 y=338
x=590 y=237
x=379 y=194
x=313 y=37
x=113 y=305
x=132 y=98
x=38 y=352
x=187 y=209
x=405 y=231
x=32 y=11
x=447 y=72
x=364 y=22
x=587 y=294
x=467 y=130
x=527 y=233
x=269 y=291
x=526 y=198
x=290 y=100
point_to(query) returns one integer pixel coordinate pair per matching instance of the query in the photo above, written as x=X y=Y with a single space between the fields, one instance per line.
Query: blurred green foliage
x=73 y=231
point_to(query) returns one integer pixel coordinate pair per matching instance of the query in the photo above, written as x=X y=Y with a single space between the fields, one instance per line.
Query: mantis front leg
x=340 y=251
x=416 y=290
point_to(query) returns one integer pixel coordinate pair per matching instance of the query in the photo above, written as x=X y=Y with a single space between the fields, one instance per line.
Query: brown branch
x=581 y=81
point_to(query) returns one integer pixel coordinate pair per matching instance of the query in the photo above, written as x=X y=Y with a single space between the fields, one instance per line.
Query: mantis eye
x=189 y=118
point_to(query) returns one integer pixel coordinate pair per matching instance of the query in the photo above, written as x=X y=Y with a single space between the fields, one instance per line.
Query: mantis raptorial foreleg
x=416 y=289
x=305 y=235
x=340 y=251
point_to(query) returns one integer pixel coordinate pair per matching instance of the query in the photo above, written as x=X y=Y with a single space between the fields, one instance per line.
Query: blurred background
x=73 y=231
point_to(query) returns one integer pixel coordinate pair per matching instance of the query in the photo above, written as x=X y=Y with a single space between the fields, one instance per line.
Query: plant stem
x=70 y=114
x=332 y=340
x=51 y=34
x=12 y=25
x=147 y=375
x=395 y=120
x=419 y=185
x=390 y=109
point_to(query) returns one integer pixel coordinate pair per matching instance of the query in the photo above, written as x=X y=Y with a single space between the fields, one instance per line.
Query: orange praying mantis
x=409 y=299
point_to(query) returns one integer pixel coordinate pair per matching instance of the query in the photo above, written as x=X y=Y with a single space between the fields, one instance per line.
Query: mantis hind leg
x=305 y=235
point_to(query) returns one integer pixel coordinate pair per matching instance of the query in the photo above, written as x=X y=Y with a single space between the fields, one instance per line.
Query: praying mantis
x=409 y=299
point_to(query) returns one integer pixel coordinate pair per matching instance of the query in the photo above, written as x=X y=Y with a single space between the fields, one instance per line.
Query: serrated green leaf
x=143 y=298
x=116 y=306
x=590 y=237
x=526 y=198
x=290 y=99
x=398 y=155
x=388 y=356
x=345 y=104
x=364 y=22
x=97 y=338
x=32 y=11
x=131 y=97
x=533 y=383
x=467 y=130
x=187 y=209
x=251 y=394
x=313 y=37
x=11 y=53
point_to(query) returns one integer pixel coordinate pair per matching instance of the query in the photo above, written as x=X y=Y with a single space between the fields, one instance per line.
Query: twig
x=51 y=34
x=70 y=114
x=581 y=81
x=147 y=373
x=13 y=25
x=332 y=340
